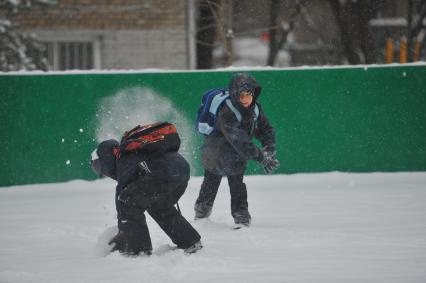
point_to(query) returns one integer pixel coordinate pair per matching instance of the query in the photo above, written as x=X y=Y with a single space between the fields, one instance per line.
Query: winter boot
x=242 y=217
x=194 y=248
x=202 y=210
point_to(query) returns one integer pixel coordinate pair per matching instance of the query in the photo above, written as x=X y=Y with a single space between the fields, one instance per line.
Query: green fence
x=327 y=119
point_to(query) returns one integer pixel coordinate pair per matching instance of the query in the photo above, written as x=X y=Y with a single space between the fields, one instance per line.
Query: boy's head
x=244 y=90
x=103 y=159
x=246 y=98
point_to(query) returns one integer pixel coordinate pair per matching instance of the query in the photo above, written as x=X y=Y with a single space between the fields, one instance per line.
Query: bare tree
x=214 y=28
x=278 y=32
x=226 y=33
x=352 y=18
x=274 y=42
x=206 y=32
x=415 y=25
x=19 y=51
x=367 y=10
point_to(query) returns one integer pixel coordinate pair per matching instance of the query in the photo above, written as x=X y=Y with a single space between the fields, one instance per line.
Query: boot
x=202 y=210
x=242 y=217
x=194 y=248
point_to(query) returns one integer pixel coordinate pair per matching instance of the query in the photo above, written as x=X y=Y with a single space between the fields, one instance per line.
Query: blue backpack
x=211 y=101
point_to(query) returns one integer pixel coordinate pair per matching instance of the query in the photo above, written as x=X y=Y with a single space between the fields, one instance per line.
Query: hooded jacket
x=105 y=163
x=227 y=151
x=155 y=172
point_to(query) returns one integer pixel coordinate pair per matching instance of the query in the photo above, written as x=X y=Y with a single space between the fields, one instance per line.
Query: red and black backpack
x=152 y=138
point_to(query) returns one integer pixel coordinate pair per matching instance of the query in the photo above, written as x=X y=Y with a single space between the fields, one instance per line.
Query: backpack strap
x=217 y=101
x=235 y=110
x=237 y=113
x=256 y=111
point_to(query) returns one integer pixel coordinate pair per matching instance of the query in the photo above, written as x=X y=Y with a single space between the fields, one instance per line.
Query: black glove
x=125 y=196
x=128 y=245
x=269 y=162
x=133 y=196
x=119 y=243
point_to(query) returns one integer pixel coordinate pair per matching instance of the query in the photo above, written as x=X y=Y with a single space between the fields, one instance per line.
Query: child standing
x=226 y=151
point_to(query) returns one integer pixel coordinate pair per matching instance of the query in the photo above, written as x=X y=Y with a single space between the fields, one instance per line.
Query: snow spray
x=139 y=106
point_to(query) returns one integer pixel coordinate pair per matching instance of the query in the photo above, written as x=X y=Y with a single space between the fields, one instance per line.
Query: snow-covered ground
x=330 y=227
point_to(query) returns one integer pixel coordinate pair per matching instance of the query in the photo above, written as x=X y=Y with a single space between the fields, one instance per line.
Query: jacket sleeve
x=228 y=124
x=131 y=167
x=264 y=132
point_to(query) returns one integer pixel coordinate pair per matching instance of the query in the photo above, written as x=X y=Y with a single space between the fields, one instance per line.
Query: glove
x=269 y=162
x=119 y=243
x=125 y=196
x=133 y=196
x=128 y=245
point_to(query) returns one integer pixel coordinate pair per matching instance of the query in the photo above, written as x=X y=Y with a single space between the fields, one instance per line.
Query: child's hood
x=107 y=158
x=243 y=82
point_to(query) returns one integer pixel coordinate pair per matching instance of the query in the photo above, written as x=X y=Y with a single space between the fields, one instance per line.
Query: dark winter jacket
x=153 y=174
x=227 y=151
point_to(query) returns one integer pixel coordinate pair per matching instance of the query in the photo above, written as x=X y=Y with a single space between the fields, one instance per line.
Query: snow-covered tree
x=19 y=51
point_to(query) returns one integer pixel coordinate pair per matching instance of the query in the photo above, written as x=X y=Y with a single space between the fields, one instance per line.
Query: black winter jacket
x=227 y=151
x=154 y=174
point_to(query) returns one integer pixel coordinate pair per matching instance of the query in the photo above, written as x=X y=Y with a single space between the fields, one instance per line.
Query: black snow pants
x=208 y=192
x=134 y=200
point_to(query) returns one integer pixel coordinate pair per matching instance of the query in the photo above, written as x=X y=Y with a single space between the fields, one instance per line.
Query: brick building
x=113 y=34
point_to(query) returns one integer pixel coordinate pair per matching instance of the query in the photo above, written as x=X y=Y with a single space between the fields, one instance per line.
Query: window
x=70 y=55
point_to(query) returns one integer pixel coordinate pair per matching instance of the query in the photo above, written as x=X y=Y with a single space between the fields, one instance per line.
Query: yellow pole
x=403 y=50
x=389 y=51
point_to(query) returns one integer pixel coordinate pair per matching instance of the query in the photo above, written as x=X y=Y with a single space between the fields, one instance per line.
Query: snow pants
x=208 y=192
x=131 y=207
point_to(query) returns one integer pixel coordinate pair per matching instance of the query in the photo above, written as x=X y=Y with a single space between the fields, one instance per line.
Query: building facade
x=114 y=34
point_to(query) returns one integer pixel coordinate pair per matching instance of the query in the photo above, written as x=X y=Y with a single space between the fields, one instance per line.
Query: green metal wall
x=327 y=119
